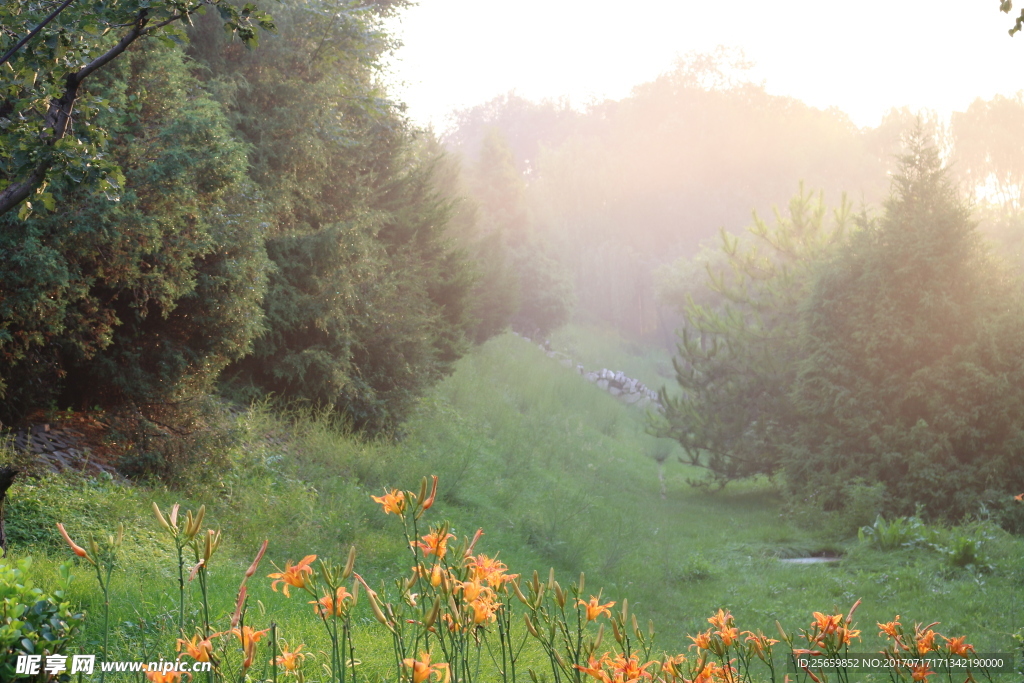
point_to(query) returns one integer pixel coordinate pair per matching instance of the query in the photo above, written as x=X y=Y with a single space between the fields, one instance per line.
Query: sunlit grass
x=557 y=472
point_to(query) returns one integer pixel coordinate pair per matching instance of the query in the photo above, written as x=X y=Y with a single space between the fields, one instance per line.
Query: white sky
x=863 y=57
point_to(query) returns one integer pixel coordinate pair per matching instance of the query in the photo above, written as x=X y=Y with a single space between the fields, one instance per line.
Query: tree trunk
x=7 y=474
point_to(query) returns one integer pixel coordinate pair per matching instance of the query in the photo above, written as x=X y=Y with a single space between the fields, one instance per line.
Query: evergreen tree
x=912 y=340
x=144 y=300
x=737 y=362
x=366 y=302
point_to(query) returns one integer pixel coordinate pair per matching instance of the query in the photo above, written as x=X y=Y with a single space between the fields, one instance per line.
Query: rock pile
x=58 y=449
x=627 y=389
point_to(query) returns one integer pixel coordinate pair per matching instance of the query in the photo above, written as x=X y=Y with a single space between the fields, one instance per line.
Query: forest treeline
x=266 y=218
x=261 y=219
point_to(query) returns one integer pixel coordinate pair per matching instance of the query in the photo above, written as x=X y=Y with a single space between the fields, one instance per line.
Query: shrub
x=33 y=622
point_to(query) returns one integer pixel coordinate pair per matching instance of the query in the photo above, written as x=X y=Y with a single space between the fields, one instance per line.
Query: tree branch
x=59 y=114
x=33 y=32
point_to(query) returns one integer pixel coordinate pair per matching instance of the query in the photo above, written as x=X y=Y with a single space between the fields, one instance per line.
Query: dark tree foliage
x=50 y=137
x=142 y=300
x=367 y=301
x=912 y=377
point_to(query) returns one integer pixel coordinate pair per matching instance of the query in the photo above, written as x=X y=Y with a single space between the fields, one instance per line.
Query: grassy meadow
x=558 y=474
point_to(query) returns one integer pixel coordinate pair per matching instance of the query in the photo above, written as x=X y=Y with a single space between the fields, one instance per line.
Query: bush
x=33 y=622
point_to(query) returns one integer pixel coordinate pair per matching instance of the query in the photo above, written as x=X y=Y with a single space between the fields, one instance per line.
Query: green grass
x=557 y=473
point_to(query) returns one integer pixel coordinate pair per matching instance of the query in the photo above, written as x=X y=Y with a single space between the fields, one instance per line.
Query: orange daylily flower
x=484 y=609
x=671 y=664
x=759 y=643
x=846 y=635
x=728 y=635
x=197 y=649
x=594 y=610
x=702 y=640
x=422 y=669
x=891 y=628
x=335 y=606
x=826 y=623
x=713 y=672
x=925 y=641
x=393 y=501
x=957 y=645
x=921 y=673
x=157 y=676
x=291 y=661
x=594 y=668
x=471 y=590
x=1019 y=498
x=490 y=570
x=627 y=670
x=434 y=543
x=294 y=576
x=248 y=638
x=722 y=620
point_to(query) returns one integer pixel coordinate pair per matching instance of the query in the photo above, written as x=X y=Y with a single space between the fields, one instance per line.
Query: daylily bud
x=558 y=658
x=476 y=537
x=650 y=628
x=423 y=491
x=174 y=516
x=452 y=606
x=256 y=563
x=530 y=627
x=377 y=611
x=636 y=629
x=551 y=578
x=212 y=542
x=559 y=595
x=75 y=548
x=849 y=616
x=519 y=593
x=781 y=631
x=236 y=617
x=600 y=636
x=433 y=494
x=160 y=518
x=625 y=610
x=195 y=570
x=347 y=571
x=616 y=633
x=583 y=580
x=355 y=593
x=432 y=615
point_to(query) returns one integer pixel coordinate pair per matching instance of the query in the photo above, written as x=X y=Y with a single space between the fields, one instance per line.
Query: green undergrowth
x=557 y=473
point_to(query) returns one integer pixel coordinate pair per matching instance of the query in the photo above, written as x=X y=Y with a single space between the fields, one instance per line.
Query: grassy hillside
x=558 y=474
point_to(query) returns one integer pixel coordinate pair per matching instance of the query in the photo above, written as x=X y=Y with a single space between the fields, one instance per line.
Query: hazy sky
x=863 y=57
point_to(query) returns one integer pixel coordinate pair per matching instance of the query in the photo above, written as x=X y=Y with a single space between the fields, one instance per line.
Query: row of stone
x=627 y=389
x=56 y=449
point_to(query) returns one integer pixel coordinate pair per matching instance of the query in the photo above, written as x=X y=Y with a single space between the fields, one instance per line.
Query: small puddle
x=809 y=560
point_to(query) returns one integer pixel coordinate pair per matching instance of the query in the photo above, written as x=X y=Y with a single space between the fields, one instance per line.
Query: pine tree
x=737 y=363
x=911 y=376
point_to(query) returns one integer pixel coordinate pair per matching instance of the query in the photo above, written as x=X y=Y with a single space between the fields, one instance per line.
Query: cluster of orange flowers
x=921 y=642
x=473 y=587
x=723 y=634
